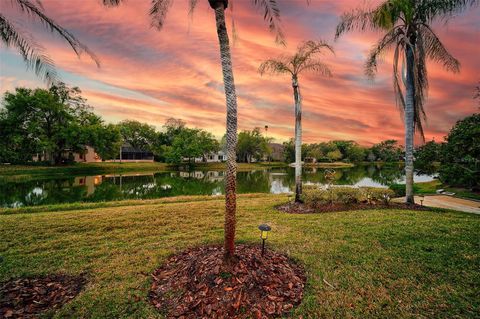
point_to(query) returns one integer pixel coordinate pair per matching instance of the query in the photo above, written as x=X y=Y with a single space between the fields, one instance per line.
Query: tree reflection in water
x=17 y=191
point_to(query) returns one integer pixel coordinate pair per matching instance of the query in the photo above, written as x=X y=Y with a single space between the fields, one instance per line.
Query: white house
x=213 y=157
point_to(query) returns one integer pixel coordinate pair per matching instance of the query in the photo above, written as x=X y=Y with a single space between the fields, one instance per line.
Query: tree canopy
x=49 y=123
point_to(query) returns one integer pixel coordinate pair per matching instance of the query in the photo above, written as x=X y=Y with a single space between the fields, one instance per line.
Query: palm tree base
x=205 y=287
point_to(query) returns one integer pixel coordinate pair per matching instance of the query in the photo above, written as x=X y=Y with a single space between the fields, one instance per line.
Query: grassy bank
x=110 y=168
x=428 y=188
x=329 y=165
x=360 y=264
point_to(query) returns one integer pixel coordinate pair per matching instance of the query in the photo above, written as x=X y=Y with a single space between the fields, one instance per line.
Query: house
x=213 y=157
x=129 y=153
x=87 y=155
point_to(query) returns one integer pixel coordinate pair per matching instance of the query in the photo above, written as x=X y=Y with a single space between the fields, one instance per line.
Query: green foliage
x=399 y=189
x=427 y=155
x=289 y=151
x=387 y=151
x=461 y=154
x=50 y=123
x=138 y=135
x=335 y=155
x=251 y=145
x=315 y=196
x=350 y=150
x=189 y=144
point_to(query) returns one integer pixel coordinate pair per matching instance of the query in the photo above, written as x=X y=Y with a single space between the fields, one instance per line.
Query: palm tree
x=407 y=30
x=33 y=53
x=271 y=13
x=304 y=60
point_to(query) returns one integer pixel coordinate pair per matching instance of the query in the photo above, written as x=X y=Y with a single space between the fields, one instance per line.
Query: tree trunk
x=409 y=126
x=231 y=141
x=298 y=139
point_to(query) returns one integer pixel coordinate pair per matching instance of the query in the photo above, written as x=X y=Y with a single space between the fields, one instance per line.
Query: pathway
x=448 y=202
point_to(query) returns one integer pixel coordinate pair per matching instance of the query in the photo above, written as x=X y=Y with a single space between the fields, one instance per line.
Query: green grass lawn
x=110 y=167
x=431 y=188
x=377 y=263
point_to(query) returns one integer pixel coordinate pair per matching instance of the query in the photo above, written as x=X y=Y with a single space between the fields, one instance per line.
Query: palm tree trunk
x=409 y=126
x=231 y=141
x=298 y=139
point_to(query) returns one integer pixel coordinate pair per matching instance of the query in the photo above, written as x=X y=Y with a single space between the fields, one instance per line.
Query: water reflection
x=42 y=191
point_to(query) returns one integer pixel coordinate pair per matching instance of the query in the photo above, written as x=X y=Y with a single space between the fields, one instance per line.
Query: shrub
x=346 y=195
x=375 y=194
x=315 y=196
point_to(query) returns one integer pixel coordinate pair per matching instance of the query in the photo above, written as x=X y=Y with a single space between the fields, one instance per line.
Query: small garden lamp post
x=422 y=197
x=264 y=229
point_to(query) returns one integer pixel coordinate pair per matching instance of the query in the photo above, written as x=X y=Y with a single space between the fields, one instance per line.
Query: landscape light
x=264 y=229
x=422 y=197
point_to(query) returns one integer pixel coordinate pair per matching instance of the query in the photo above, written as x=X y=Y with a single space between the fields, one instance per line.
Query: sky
x=150 y=76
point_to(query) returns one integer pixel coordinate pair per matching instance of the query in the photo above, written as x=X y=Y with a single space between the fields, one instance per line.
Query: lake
x=20 y=191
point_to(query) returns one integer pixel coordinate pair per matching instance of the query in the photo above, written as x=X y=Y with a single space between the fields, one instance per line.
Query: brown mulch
x=29 y=297
x=197 y=284
x=301 y=208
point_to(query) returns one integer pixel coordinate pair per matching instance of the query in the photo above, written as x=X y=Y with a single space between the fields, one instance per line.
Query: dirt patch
x=196 y=284
x=301 y=208
x=29 y=297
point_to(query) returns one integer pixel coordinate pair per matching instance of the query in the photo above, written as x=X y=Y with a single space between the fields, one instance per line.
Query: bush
x=346 y=195
x=375 y=194
x=315 y=196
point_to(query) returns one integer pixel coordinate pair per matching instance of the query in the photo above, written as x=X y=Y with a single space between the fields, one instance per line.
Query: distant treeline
x=347 y=151
x=51 y=124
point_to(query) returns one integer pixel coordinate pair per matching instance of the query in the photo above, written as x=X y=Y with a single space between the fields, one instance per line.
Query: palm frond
x=399 y=95
x=420 y=85
x=271 y=14
x=389 y=39
x=158 y=12
x=272 y=66
x=436 y=51
x=31 y=52
x=192 y=4
x=111 y=3
x=36 y=12
x=359 y=19
x=306 y=50
x=431 y=9
x=309 y=48
x=317 y=66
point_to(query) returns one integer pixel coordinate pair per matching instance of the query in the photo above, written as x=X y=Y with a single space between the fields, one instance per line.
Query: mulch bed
x=29 y=297
x=197 y=284
x=301 y=208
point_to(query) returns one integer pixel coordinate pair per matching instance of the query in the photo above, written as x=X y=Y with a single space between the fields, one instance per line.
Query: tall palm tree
x=407 y=29
x=306 y=59
x=32 y=52
x=271 y=13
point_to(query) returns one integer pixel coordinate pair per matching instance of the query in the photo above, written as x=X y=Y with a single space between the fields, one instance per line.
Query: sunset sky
x=150 y=76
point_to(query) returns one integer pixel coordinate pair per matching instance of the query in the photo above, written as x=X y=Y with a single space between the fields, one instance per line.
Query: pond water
x=18 y=191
